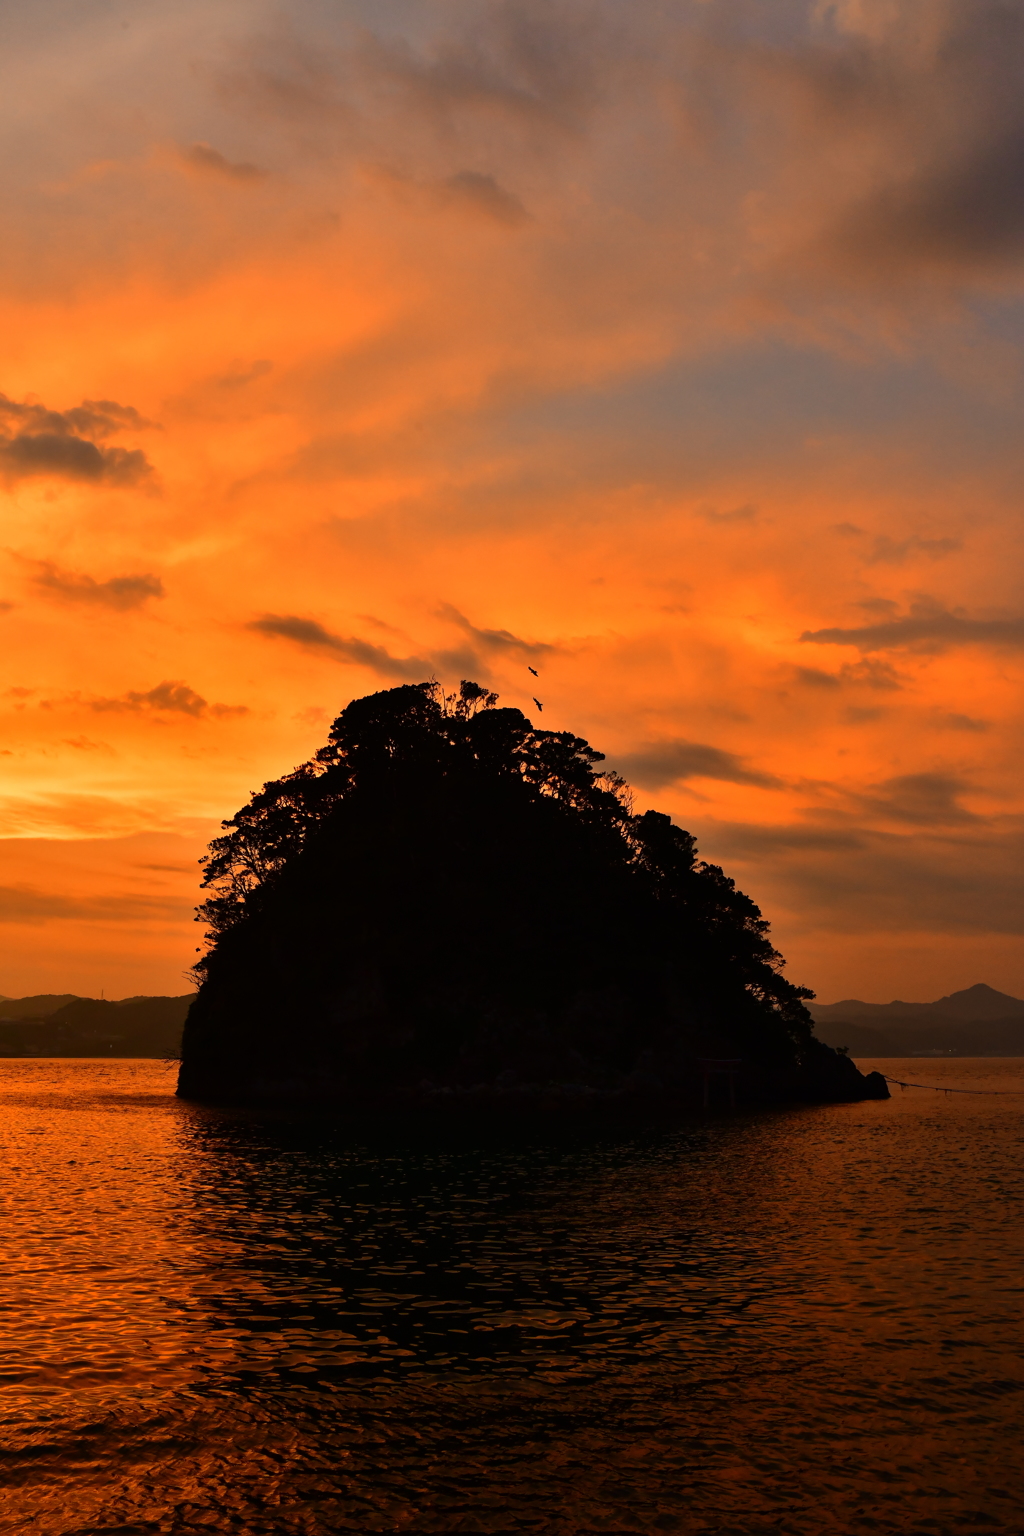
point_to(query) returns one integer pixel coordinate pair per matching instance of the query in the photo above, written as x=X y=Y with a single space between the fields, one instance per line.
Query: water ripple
x=791 y=1321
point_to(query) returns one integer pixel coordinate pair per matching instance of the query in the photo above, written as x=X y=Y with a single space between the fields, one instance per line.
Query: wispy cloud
x=60 y=816
x=495 y=642
x=928 y=624
x=482 y=194
x=658 y=763
x=28 y=904
x=921 y=799
x=312 y=636
x=210 y=162
x=953 y=721
x=950 y=885
x=889 y=551
x=117 y=592
x=870 y=672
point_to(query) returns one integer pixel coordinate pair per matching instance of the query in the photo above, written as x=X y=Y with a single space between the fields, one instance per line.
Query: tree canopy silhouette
x=445 y=899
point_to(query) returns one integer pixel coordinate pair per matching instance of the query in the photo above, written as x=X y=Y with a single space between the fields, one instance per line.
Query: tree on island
x=445 y=900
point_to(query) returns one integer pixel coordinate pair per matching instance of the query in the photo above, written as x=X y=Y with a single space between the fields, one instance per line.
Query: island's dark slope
x=446 y=904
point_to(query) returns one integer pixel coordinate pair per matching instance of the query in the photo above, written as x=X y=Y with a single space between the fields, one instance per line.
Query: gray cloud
x=495 y=641
x=314 y=637
x=169 y=697
x=942 y=99
x=920 y=799
x=868 y=673
x=529 y=64
x=887 y=551
x=200 y=157
x=93 y=418
x=463 y=661
x=71 y=458
x=962 y=214
x=484 y=195
x=240 y=374
x=928 y=625
x=811 y=677
x=956 y=722
x=117 y=592
x=37 y=441
x=747 y=840
x=957 y=880
x=655 y=764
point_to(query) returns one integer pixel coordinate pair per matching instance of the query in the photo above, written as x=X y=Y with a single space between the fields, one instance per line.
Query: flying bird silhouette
x=533 y=670
x=538 y=703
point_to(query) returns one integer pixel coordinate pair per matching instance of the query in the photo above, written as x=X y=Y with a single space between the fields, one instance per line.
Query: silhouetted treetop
x=447 y=904
x=417 y=729
x=432 y=819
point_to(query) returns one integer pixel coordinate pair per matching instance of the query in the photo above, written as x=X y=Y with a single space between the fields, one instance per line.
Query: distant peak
x=979 y=1002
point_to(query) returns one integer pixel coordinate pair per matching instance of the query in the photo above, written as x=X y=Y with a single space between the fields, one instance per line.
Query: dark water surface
x=791 y=1321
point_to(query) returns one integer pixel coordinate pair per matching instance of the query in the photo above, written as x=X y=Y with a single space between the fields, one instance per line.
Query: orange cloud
x=662 y=367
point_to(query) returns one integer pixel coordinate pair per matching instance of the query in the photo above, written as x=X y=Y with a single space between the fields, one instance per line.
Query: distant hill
x=61 y=1024
x=979 y=1021
x=977 y=1002
x=38 y=1007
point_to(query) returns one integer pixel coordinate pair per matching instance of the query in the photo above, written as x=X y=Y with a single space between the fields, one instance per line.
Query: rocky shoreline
x=823 y=1076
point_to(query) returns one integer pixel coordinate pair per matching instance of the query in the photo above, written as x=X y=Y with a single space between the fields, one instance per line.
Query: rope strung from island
x=935 y=1088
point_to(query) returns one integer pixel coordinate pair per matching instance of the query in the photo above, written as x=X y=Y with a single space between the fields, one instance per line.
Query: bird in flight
x=538 y=703
x=533 y=670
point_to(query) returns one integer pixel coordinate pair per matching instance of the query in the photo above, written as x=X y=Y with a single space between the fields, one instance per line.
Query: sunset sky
x=672 y=347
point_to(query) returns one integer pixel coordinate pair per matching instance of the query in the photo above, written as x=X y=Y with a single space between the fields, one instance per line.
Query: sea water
x=802 y=1320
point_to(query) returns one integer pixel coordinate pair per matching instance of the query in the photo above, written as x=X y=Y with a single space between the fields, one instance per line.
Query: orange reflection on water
x=213 y=1319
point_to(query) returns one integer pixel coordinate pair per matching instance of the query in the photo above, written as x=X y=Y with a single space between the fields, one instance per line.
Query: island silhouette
x=447 y=907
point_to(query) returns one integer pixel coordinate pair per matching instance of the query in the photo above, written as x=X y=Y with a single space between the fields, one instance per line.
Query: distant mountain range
x=62 y=1024
x=979 y=1021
